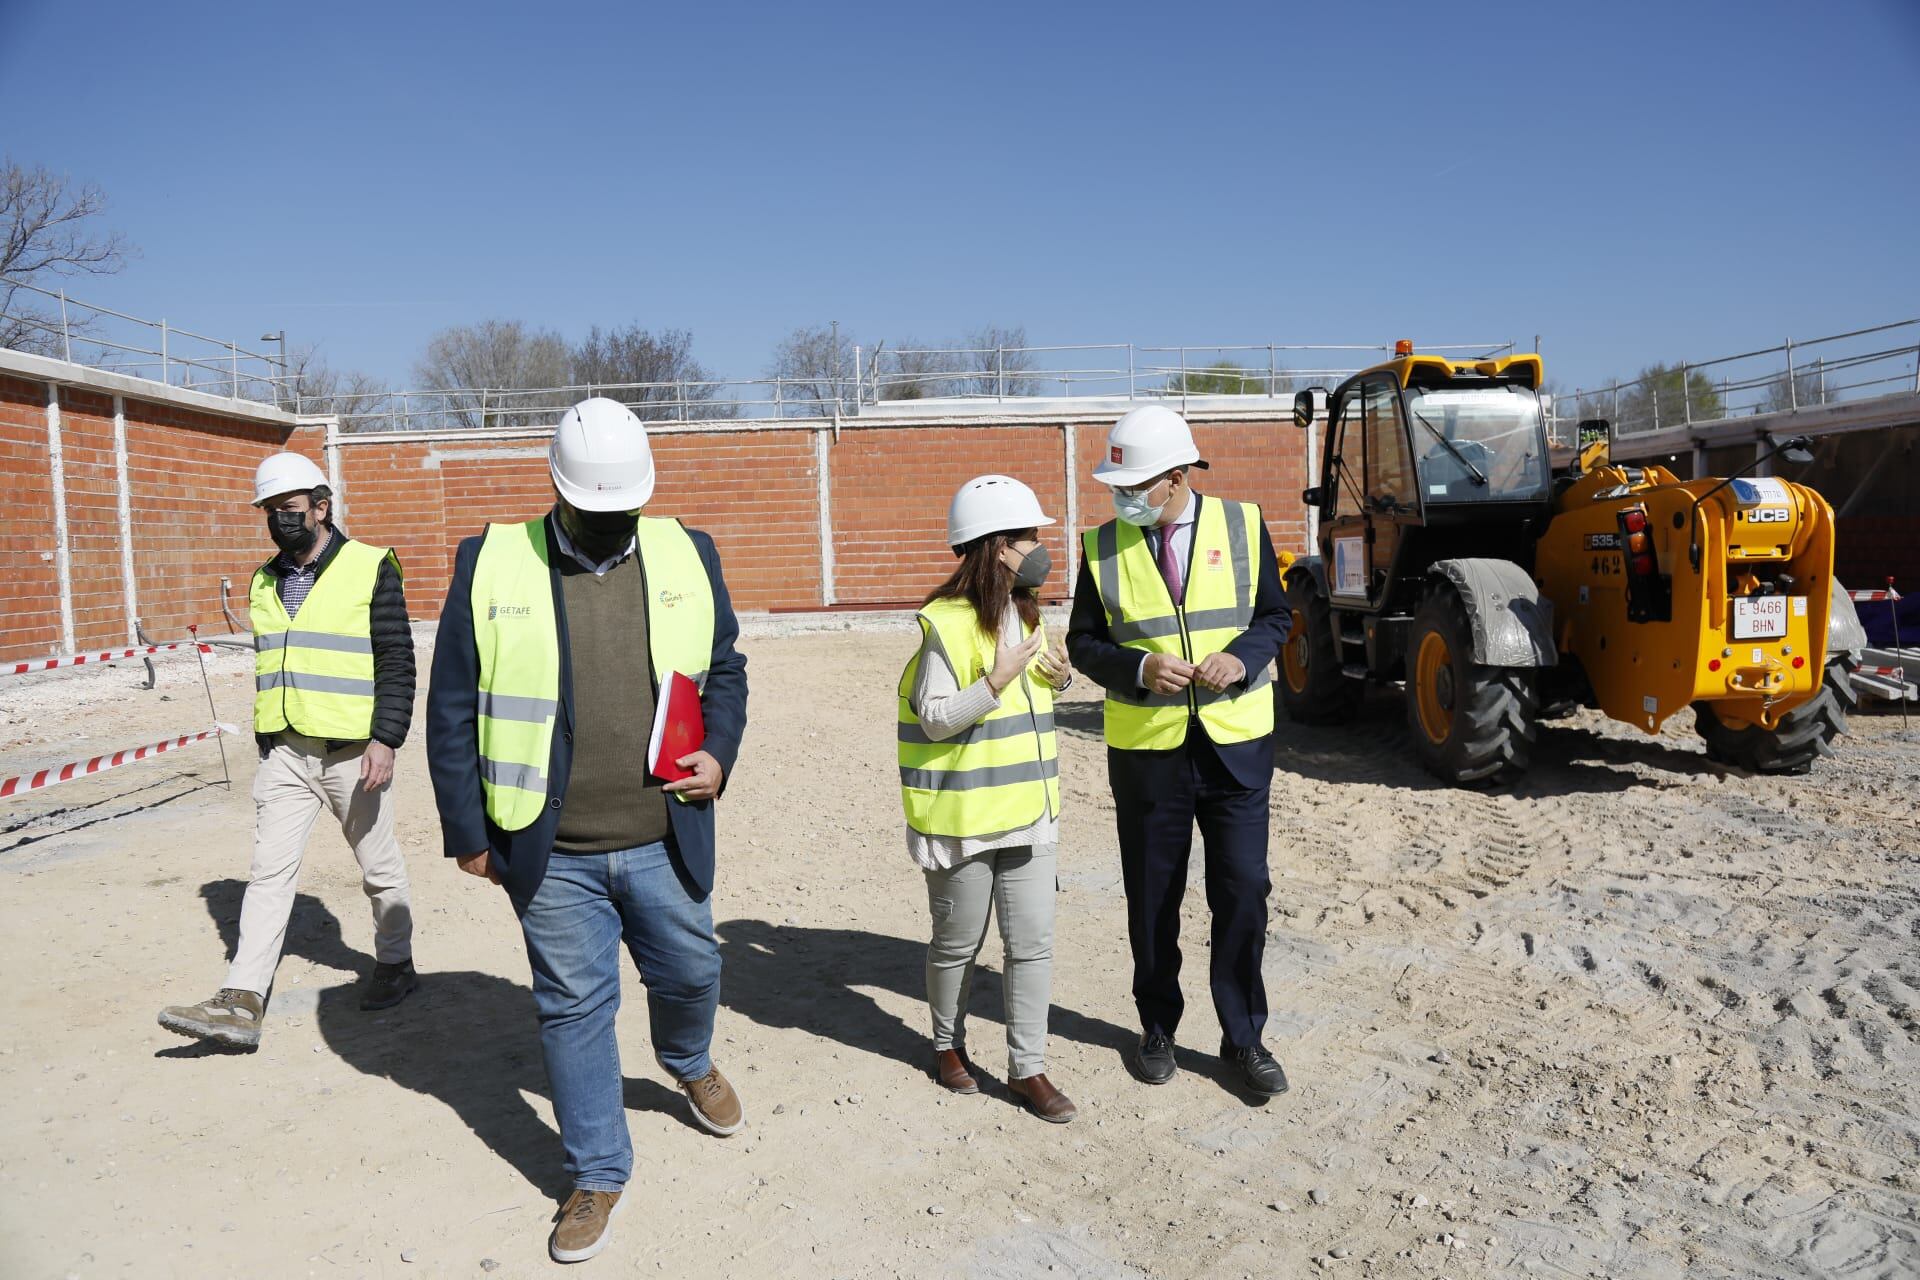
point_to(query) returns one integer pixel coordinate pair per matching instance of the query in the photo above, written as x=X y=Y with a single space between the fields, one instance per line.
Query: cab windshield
x=1478 y=444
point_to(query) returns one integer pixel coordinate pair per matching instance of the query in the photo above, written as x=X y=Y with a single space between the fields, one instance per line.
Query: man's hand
x=376 y=766
x=479 y=864
x=705 y=782
x=1166 y=673
x=1219 y=670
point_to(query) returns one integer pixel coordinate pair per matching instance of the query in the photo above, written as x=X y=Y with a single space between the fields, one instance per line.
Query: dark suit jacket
x=453 y=749
x=1114 y=666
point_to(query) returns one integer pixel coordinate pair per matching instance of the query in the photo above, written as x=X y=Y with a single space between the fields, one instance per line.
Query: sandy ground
x=1637 y=1017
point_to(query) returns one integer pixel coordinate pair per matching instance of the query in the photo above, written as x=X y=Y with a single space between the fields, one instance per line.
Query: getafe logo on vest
x=495 y=611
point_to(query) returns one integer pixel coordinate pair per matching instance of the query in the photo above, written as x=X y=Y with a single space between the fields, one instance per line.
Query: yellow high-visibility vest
x=315 y=676
x=1217 y=606
x=1000 y=774
x=517 y=635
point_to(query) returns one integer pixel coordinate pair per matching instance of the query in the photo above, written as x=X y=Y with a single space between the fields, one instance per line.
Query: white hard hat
x=280 y=473
x=992 y=504
x=600 y=458
x=1145 y=443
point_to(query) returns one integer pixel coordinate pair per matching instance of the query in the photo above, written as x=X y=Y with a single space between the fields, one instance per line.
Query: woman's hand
x=1010 y=660
x=1053 y=666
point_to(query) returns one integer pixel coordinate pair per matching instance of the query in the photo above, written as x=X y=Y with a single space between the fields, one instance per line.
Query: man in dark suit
x=557 y=638
x=1178 y=612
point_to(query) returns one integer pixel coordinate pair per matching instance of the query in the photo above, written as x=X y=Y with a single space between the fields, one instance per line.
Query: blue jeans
x=574 y=923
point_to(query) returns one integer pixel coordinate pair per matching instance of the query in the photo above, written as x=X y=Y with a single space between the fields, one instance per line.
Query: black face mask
x=600 y=535
x=289 y=531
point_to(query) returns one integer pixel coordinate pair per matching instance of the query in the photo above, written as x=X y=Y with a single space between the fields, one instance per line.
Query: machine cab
x=1426 y=458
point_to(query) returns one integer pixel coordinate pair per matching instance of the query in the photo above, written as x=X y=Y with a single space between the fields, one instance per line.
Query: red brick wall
x=29 y=581
x=755 y=491
x=191 y=477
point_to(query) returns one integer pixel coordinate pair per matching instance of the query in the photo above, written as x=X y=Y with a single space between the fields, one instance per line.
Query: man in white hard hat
x=1179 y=613
x=333 y=699
x=557 y=637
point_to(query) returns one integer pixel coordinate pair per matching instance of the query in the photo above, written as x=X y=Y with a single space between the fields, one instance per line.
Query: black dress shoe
x=1153 y=1060
x=389 y=985
x=1260 y=1069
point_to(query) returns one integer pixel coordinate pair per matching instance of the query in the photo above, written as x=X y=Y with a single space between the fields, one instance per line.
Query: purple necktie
x=1170 y=564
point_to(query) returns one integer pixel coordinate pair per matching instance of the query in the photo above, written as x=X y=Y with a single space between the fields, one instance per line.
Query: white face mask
x=1134 y=508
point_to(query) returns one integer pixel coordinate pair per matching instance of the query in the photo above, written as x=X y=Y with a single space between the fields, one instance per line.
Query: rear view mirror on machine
x=1308 y=405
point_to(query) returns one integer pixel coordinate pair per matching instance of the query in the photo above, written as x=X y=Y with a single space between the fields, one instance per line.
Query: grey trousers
x=1017 y=885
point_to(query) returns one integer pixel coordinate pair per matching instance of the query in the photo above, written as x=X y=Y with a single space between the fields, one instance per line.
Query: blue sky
x=1632 y=181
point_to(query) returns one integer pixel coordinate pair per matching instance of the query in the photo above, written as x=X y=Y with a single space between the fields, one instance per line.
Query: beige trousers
x=299 y=778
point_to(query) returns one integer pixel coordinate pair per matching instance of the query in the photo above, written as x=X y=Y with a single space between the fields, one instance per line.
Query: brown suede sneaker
x=1043 y=1099
x=232 y=1017
x=716 y=1107
x=585 y=1226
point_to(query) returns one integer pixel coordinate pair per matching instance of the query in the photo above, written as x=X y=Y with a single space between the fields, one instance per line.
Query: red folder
x=678 y=728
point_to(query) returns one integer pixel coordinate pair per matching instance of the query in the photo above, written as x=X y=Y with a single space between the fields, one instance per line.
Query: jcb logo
x=1769 y=515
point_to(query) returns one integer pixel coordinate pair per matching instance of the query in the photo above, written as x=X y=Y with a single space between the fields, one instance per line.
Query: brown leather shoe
x=716 y=1107
x=1043 y=1099
x=585 y=1226
x=951 y=1070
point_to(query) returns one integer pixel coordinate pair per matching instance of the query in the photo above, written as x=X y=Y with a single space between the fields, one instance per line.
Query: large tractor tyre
x=1312 y=687
x=1803 y=735
x=1471 y=723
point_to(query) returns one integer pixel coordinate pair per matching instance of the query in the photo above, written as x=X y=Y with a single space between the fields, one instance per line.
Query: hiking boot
x=1258 y=1068
x=232 y=1017
x=585 y=1226
x=716 y=1107
x=1153 y=1060
x=389 y=985
x=950 y=1068
x=1041 y=1098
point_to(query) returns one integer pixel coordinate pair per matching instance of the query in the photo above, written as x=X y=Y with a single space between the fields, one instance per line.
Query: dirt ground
x=1637 y=1017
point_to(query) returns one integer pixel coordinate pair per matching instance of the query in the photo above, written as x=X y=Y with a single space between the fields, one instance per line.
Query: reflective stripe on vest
x=517 y=636
x=316 y=677
x=1217 y=606
x=1000 y=773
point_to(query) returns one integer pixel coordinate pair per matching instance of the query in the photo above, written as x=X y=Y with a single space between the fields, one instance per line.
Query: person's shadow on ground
x=466 y=1038
x=471 y=1040
x=791 y=976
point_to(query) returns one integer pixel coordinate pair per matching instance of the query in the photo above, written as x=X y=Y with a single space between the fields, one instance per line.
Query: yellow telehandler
x=1455 y=562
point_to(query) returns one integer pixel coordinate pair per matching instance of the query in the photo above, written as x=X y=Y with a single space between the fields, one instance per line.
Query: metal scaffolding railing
x=90 y=334
x=1800 y=373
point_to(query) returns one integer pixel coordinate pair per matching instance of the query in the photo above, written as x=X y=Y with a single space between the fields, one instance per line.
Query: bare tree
x=47 y=234
x=1809 y=388
x=816 y=371
x=913 y=372
x=497 y=373
x=998 y=362
x=645 y=369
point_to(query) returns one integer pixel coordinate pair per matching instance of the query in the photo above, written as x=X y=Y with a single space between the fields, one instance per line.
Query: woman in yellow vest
x=980 y=779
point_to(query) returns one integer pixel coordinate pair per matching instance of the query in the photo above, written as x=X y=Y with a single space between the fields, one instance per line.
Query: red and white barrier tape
x=80 y=768
x=111 y=655
x=1899 y=673
x=1864 y=597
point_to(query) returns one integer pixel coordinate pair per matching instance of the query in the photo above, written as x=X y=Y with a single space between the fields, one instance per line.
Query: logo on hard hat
x=1113 y=454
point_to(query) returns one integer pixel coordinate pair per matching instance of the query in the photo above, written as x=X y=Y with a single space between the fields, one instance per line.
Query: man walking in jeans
x=556 y=638
x=333 y=697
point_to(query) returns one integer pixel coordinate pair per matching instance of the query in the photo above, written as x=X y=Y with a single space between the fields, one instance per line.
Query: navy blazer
x=1090 y=645
x=453 y=744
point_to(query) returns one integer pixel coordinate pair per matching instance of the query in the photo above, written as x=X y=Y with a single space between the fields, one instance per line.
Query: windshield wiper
x=1453 y=449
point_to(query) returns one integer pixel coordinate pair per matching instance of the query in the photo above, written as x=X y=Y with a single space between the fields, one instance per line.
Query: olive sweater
x=612 y=802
